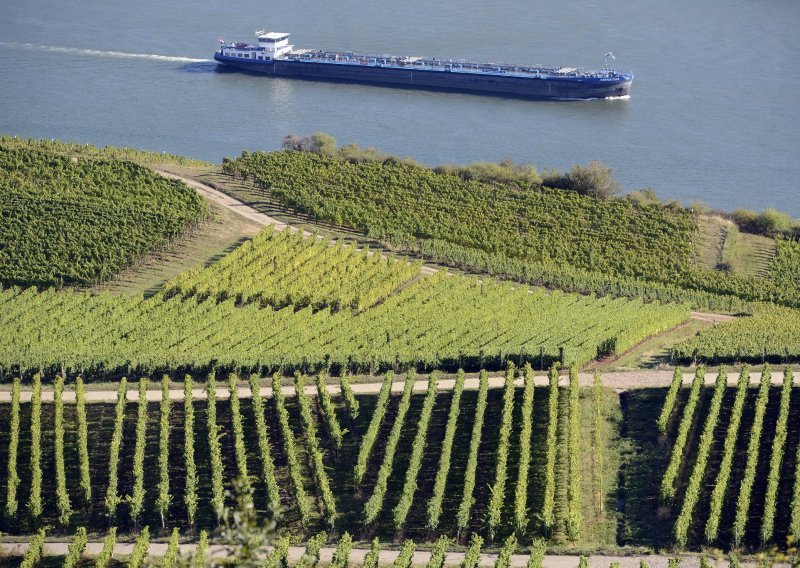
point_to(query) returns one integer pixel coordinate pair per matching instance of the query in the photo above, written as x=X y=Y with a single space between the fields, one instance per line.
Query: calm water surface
x=713 y=116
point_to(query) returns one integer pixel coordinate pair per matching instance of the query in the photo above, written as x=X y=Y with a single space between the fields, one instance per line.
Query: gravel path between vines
x=619 y=381
x=387 y=557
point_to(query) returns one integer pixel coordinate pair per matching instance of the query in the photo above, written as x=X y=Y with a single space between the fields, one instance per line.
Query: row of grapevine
x=140 y=548
x=574 y=516
x=12 y=476
x=350 y=401
x=62 y=496
x=776 y=460
x=439 y=552
x=164 y=499
x=548 y=506
x=112 y=498
x=435 y=503
x=35 y=551
x=76 y=548
x=190 y=498
x=264 y=446
x=692 y=495
x=521 y=492
x=504 y=556
x=472 y=556
x=497 y=495
x=83 y=440
x=311 y=554
x=239 y=448
x=35 y=497
x=794 y=529
x=597 y=392
x=406 y=556
x=417 y=451
x=374 y=505
x=372 y=557
x=104 y=560
x=315 y=453
x=753 y=447
x=342 y=553
x=290 y=450
x=676 y=457
x=331 y=422
x=136 y=499
x=214 y=449
x=468 y=498
x=368 y=441
x=670 y=401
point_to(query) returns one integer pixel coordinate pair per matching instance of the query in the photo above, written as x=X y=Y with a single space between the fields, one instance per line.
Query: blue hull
x=508 y=85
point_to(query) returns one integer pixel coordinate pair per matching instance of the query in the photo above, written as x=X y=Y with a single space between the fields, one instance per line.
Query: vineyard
x=438 y=321
x=77 y=221
x=732 y=477
x=178 y=480
x=280 y=269
x=771 y=334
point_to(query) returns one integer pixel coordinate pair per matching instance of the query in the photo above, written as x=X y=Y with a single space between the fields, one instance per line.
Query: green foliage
x=311 y=555
x=264 y=446
x=239 y=448
x=692 y=495
x=319 y=275
x=350 y=401
x=776 y=459
x=200 y=551
x=112 y=498
x=279 y=556
x=418 y=449
x=214 y=449
x=109 y=213
x=104 y=559
x=473 y=554
x=328 y=411
x=76 y=548
x=548 y=506
x=35 y=551
x=35 y=497
x=785 y=269
x=439 y=552
x=172 y=555
x=769 y=222
x=574 y=516
x=676 y=456
x=593 y=179
x=508 y=548
x=538 y=548
x=83 y=440
x=190 y=489
x=597 y=391
x=583 y=562
x=772 y=334
x=314 y=450
x=372 y=557
x=136 y=498
x=435 y=503
x=374 y=505
x=731 y=436
x=62 y=496
x=158 y=332
x=342 y=553
x=753 y=447
x=562 y=226
x=674 y=563
x=368 y=441
x=497 y=496
x=468 y=498
x=406 y=556
x=290 y=450
x=704 y=563
x=794 y=527
x=523 y=470
x=669 y=402
x=140 y=548
x=12 y=476
x=164 y=499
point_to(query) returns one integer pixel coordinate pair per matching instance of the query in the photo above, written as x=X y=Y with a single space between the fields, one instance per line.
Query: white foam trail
x=99 y=53
x=619 y=98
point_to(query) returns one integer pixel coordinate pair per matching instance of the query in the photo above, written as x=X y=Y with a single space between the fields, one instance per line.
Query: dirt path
x=713 y=318
x=387 y=557
x=619 y=381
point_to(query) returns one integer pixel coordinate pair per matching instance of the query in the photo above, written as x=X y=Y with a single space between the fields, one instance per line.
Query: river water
x=713 y=116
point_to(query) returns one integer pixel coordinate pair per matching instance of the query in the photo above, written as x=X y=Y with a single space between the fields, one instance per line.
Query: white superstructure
x=271 y=45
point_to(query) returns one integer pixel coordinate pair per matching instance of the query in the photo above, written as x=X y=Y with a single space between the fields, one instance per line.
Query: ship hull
x=541 y=88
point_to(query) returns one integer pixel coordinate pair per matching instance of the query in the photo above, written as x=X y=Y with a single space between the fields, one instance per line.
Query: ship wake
x=100 y=53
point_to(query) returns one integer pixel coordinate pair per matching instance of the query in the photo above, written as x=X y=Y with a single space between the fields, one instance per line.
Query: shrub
x=593 y=179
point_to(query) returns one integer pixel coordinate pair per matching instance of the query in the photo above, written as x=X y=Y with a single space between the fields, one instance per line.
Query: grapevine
x=497 y=495
x=468 y=498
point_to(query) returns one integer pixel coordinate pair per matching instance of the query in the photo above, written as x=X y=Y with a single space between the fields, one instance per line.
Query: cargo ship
x=273 y=55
